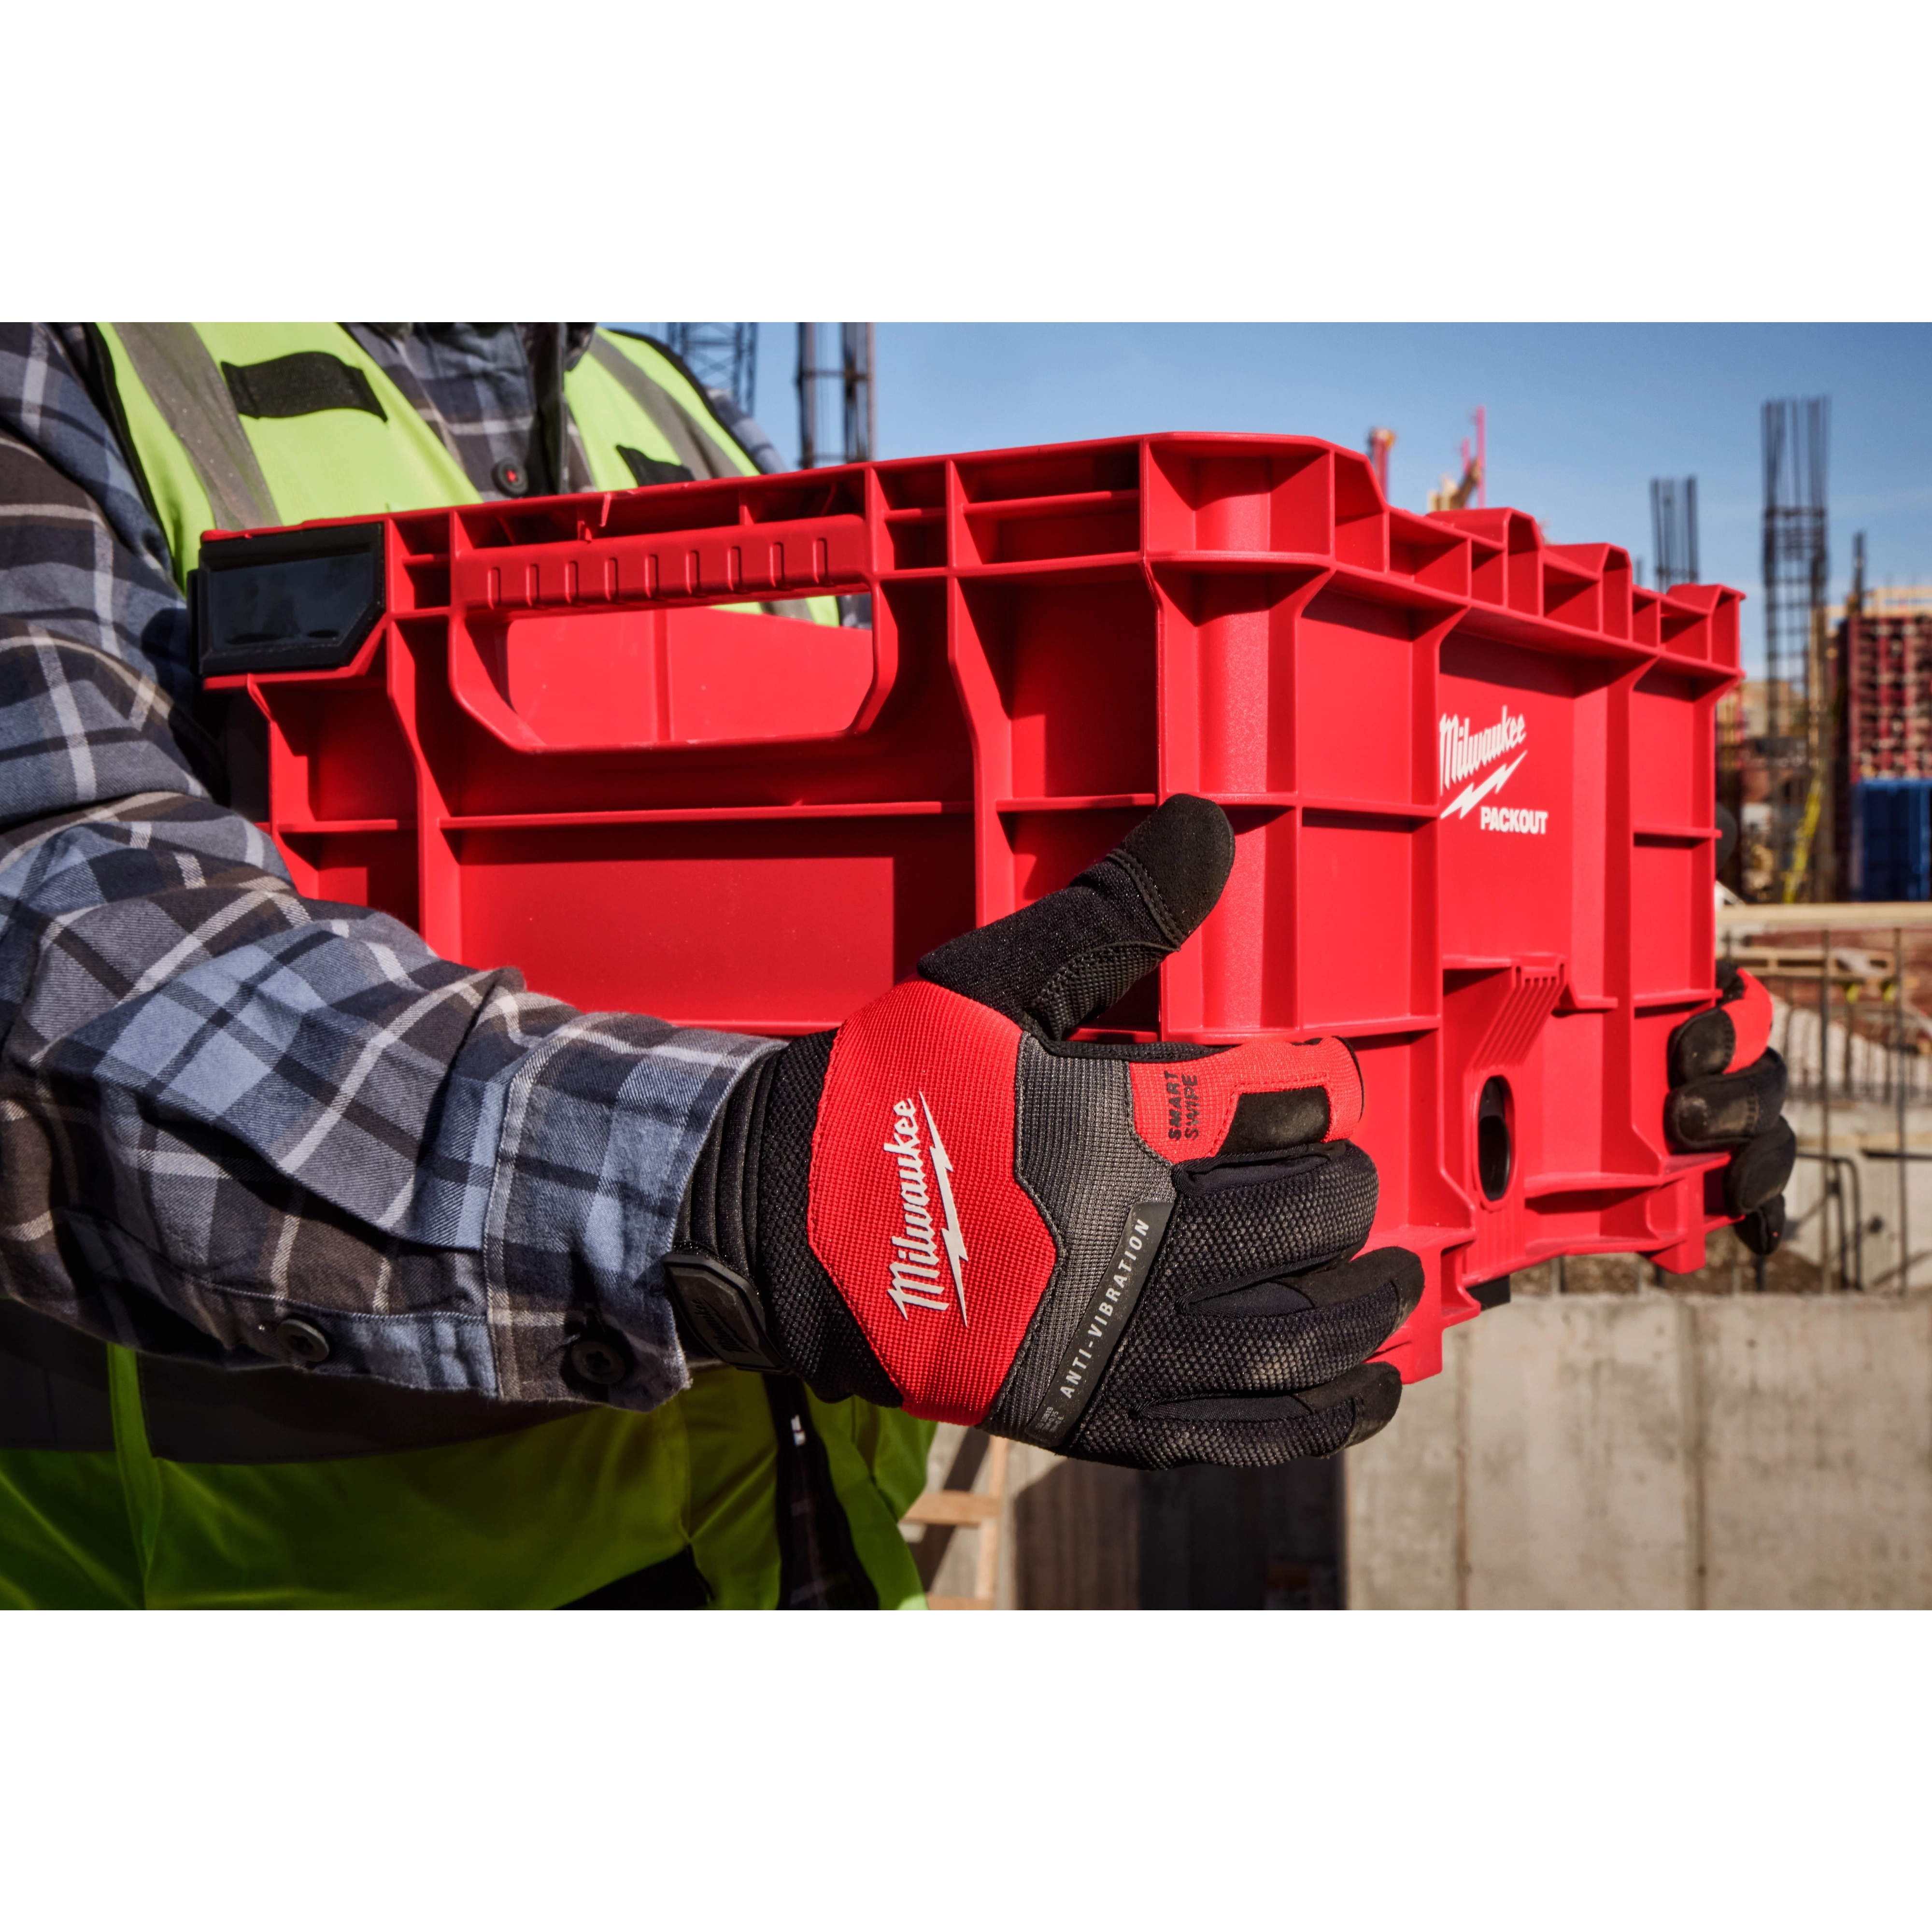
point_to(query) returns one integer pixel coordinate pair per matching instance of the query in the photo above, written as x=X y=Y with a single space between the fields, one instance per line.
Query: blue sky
x=1581 y=415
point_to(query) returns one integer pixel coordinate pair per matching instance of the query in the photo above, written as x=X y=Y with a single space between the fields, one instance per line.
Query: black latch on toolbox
x=292 y=600
x=721 y=1311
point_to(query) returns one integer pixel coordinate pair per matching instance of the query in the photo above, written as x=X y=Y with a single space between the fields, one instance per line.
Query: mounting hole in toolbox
x=1493 y=1157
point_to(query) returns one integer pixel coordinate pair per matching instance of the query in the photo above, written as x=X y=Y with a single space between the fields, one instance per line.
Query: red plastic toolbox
x=1470 y=773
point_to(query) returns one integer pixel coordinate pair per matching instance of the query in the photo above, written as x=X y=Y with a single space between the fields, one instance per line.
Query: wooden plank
x=986 y=1582
x=1842 y=917
x=961 y=1509
x=953 y=1506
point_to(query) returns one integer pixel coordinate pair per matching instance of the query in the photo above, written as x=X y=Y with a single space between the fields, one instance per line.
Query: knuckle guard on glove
x=1729 y=1108
x=1136 y=1253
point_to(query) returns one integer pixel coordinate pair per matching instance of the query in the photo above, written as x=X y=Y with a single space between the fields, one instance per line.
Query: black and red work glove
x=1727 y=1090
x=1145 y=1255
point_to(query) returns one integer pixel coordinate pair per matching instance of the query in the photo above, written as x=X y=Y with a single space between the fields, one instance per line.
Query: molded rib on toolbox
x=1470 y=774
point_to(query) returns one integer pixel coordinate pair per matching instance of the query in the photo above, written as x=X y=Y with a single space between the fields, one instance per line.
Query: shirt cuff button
x=302 y=1341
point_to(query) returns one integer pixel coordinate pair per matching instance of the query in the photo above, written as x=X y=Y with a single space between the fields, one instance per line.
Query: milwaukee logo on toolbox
x=914 y=1264
x=1465 y=752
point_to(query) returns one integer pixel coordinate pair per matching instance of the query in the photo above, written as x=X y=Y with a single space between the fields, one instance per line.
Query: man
x=340 y=1274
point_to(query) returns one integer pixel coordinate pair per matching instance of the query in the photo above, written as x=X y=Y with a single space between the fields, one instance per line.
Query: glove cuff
x=720 y=1316
x=719 y=1216
x=744 y=1285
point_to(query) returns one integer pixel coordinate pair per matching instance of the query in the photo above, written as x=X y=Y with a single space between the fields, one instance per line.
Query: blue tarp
x=1891 y=838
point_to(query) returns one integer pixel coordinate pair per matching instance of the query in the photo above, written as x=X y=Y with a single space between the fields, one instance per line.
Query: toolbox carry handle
x=658 y=677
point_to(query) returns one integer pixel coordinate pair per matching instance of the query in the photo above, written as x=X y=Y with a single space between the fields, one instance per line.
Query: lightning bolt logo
x=1472 y=794
x=955 y=1242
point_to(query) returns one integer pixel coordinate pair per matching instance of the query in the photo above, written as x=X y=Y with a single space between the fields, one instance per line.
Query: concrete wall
x=1657 y=1451
x=1628 y=1449
x=1631 y=1451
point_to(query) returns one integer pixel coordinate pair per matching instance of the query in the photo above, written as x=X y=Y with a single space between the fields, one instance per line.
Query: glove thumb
x=1054 y=965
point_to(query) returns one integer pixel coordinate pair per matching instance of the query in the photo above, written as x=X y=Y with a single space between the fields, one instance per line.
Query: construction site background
x=1613 y=1438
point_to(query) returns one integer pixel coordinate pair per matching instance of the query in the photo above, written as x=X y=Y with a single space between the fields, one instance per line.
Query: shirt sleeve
x=233 y=1120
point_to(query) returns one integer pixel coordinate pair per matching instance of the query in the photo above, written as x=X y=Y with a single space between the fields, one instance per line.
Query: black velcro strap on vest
x=649 y=470
x=302 y=384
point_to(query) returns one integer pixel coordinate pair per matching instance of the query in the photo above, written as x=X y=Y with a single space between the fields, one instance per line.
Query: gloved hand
x=1134 y=1254
x=1727 y=1090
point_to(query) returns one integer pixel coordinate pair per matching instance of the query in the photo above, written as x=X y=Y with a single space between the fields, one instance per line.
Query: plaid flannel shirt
x=223 y=1104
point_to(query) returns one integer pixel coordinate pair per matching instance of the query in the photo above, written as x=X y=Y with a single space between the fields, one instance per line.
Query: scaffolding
x=721 y=354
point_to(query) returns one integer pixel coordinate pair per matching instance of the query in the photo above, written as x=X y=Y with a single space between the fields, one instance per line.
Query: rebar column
x=1825 y=1115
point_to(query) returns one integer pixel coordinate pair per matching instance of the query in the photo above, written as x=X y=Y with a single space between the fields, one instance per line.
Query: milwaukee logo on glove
x=914 y=1265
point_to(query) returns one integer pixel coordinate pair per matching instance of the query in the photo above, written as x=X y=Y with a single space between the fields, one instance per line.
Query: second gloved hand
x=1727 y=1086
x=1146 y=1255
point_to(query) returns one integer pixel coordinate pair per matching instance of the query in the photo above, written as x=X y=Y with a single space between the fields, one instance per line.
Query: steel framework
x=1797 y=745
x=1796 y=557
x=1673 y=528
x=853 y=373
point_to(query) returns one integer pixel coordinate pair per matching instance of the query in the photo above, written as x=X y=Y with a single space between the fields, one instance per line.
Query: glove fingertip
x=1180 y=856
x=1376 y=1400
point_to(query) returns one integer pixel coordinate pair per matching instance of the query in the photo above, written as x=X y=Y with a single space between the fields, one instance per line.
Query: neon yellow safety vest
x=266 y=1488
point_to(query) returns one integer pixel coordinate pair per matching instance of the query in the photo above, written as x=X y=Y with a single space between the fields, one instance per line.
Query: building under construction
x=1875 y=703
x=1883 y=651
x=1881 y=659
